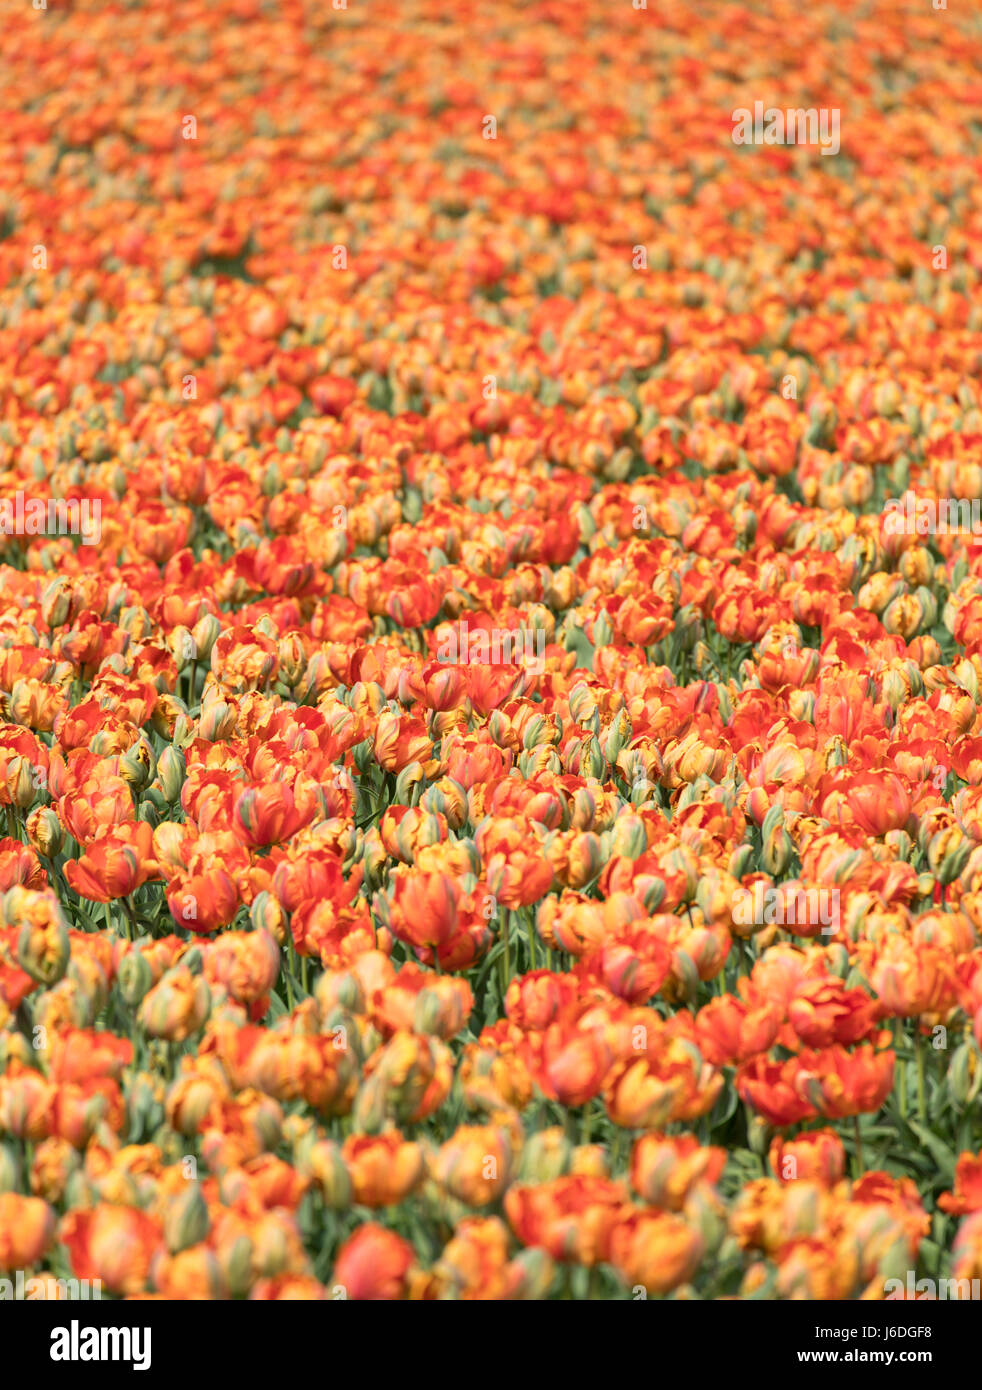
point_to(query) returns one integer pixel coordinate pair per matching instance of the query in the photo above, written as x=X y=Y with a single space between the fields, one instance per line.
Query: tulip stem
x=901 y=1072
x=131 y=930
x=288 y=978
x=921 y=1104
x=859 y=1164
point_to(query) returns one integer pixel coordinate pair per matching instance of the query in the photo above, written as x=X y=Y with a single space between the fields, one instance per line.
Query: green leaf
x=939 y=1151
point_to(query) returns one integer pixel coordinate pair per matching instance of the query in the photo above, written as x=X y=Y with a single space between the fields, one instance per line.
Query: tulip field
x=490 y=650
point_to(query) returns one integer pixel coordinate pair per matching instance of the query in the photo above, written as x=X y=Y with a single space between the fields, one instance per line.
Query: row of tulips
x=491 y=807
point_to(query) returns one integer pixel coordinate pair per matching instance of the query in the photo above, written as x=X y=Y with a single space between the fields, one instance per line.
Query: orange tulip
x=654 y=1250
x=570 y=1217
x=384 y=1169
x=115 y=864
x=114 y=1244
x=27 y=1228
x=373 y=1264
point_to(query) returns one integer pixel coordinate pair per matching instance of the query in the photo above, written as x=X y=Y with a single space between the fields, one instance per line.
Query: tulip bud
x=235 y=1262
x=86 y=995
x=589 y=1161
x=14 y=1047
x=363 y=756
x=642 y=791
x=340 y=990
x=182 y=731
x=895 y=1261
x=204 y=634
x=216 y=721
x=740 y=861
x=530 y=1274
x=654 y=895
x=966 y=673
x=136 y=767
x=964 y=1075
x=582 y=703
x=758 y=1131
x=183 y=647
x=801 y=705
x=55 y=1160
x=292 y=659
x=315 y=679
x=79 y=1192
x=900 y=843
x=618 y=736
x=408 y=782
x=689 y=627
x=836 y=753
x=447 y=798
x=267 y=914
x=28 y=782
x=177 y=1006
x=143 y=1104
x=706 y=1214
x=44 y=949
x=547 y=1155
x=44 y=832
x=167 y=713
x=373 y=857
x=538 y=762
x=186 y=1220
x=536 y=730
x=603 y=631
x=171 y=770
x=10 y=1164
x=323 y=1161
x=370 y=1105
x=134 y=977
x=702 y=659
x=683 y=860
x=776 y=847
x=272 y=482
x=56 y=602
x=947 y=854
x=823 y=422
x=592 y=762
x=583 y=812
x=628 y=836
x=428 y=1012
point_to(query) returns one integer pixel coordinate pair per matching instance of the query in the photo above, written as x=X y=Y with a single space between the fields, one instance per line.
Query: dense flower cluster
x=493 y=803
